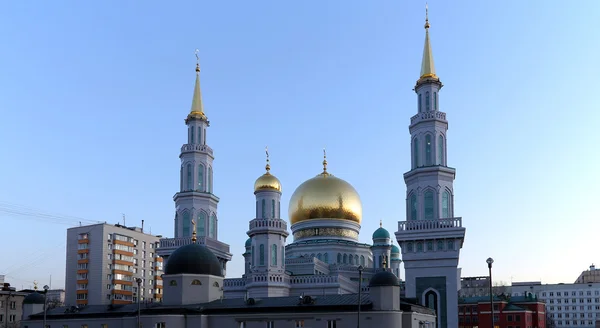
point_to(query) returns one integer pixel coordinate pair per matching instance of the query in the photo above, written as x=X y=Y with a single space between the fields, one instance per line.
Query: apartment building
x=587 y=276
x=11 y=305
x=104 y=261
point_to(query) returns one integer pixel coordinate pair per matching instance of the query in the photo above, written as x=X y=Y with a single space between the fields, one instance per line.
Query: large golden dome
x=267 y=181
x=325 y=197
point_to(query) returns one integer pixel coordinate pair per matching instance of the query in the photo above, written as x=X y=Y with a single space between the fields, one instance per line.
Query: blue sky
x=93 y=97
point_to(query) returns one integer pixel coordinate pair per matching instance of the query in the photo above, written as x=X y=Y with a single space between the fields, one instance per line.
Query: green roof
x=249 y=242
x=395 y=249
x=381 y=234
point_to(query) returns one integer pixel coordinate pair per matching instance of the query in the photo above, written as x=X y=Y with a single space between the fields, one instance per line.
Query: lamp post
x=360 y=271
x=490 y=261
x=45 y=303
x=139 y=283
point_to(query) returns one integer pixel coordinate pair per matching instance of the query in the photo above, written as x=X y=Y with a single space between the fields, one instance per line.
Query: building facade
x=509 y=312
x=11 y=304
x=431 y=237
x=567 y=305
x=480 y=286
x=592 y=275
x=103 y=262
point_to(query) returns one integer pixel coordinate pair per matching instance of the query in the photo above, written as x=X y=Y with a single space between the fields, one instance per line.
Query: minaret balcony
x=187 y=148
x=268 y=224
x=175 y=243
x=430 y=229
x=428 y=116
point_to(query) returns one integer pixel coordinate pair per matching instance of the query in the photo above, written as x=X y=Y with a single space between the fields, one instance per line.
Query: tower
x=381 y=247
x=268 y=232
x=196 y=199
x=431 y=237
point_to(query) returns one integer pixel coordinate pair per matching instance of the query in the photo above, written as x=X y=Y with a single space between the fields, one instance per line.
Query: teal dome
x=248 y=242
x=395 y=249
x=381 y=234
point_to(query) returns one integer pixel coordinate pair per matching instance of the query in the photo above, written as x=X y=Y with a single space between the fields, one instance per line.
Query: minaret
x=381 y=248
x=431 y=237
x=268 y=233
x=196 y=199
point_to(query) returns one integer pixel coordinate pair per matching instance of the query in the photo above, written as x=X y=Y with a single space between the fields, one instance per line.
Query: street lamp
x=490 y=261
x=45 y=303
x=360 y=271
x=139 y=283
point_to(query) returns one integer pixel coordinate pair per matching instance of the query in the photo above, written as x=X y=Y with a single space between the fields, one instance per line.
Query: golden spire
x=268 y=166
x=380 y=223
x=197 y=106
x=324 y=162
x=384 y=263
x=194 y=231
x=427 y=66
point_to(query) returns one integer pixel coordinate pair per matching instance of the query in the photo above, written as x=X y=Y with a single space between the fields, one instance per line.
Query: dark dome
x=384 y=278
x=249 y=242
x=34 y=298
x=193 y=259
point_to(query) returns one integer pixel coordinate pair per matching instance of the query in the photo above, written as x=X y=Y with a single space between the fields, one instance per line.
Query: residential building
x=11 y=305
x=104 y=261
x=193 y=297
x=567 y=305
x=509 y=312
x=587 y=276
x=480 y=286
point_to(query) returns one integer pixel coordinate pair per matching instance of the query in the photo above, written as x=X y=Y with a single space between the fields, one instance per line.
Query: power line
x=11 y=209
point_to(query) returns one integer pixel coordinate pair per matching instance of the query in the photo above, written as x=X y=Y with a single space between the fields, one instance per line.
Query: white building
x=103 y=261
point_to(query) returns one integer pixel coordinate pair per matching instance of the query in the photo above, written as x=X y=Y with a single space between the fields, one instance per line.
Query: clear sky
x=93 y=95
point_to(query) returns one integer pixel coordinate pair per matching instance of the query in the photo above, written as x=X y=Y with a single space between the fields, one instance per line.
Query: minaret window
x=176 y=225
x=199 y=135
x=181 y=178
x=420 y=102
x=264 y=209
x=345 y=258
x=440 y=148
x=362 y=260
x=261 y=259
x=192 y=134
x=200 y=228
x=339 y=258
x=413 y=206
x=252 y=256
x=186 y=224
x=326 y=258
x=435 y=101
x=210 y=180
x=351 y=259
x=282 y=255
x=278 y=209
x=445 y=204
x=428 y=205
x=273 y=254
x=320 y=257
x=188 y=185
x=428 y=154
x=427 y=106
x=356 y=259
x=212 y=226
x=200 y=177
x=272 y=208
x=416 y=152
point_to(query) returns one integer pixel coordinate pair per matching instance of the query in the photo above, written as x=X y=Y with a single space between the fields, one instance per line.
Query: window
x=200 y=177
x=339 y=258
x=160 y=325
x=409 y=247
x=419 y=246
x=434 y=100
x=273 y=254
x=440 y=245
x=191 y=131
x=189 y=177
x=196 y=282
x=428 y=205
x=213 y=226
x=427 y=101
x=331 y=324
x=210 y=180
x=201 y=224
x=345 y=258
x=199 y=135
x=445 y=204
x=440 y=148
x=430 y=246
x=451 y=247
x=172 y=283
x=272 y=208
x=270 y=324
x=416 y=152
x=283 y=255
x=262 y=255
x=428 y=145
x=299 y=324
x=420 y=101
x=242 y=324
x=253 y=254
x=186 y=224
x=264 y=209
x=413 y=206
x=326 y=258
x=362 y=260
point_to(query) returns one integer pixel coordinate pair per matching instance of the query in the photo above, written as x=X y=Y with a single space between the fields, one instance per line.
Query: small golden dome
x=267 y=181
x=325 y=197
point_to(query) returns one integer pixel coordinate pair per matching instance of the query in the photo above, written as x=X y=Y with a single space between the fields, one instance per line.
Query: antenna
x=123 y=219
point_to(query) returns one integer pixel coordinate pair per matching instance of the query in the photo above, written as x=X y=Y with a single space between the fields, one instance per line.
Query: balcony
x=430 y=224
x=192 y=147
x=171 y=244
x=268 y=223
x=426 y=116
x=430 y=229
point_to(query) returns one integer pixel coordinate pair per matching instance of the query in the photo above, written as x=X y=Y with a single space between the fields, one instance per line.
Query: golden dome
x=267 y=181
x=325 y=197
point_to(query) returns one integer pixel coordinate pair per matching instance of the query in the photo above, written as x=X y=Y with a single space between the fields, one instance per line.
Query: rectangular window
x=160 y=325
x=270 y=324
x=299 y=324
x=331 y=324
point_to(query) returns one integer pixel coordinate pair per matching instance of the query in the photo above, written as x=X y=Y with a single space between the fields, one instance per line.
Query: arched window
x=450 y=244
x=362 y=260
x=435 y=101
x=427 y=107
x=272 y=208
x=440 y=150
x=200 y=177
x=351 y=259
x=204 y=139
x=409 y=247
x=181 y=178
x=356 y=259
x=273 y=254
x=261 y=259
x=176 y=225
x=188 y=184
x=413 y=206
x=279 y=209
x=339 y=258
x=196 y=282
x=345 y=258
x=431 y=300
x=210 y=180
x=263 y=206
x=419 y=246
x=257 y=210
x=326 y=258
x=212 y=229
x=199 y=135
x=253 y=255
x=428 y=200
x=420 y=100
x=416 y=152
x=445 y=204
x=430 y=246
x=192 y=133
x=282 y=255
x=200 y=227
x=186 y=224
x=428 y=159
x=320 y=257
x=440 y=245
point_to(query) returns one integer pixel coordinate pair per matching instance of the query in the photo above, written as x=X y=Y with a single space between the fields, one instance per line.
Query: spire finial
x=380 y=223
x=324 y=161
x=268 y=166
x=426 y=16
x=35 y=283
x=197 y=61
x=194 y=231
x=384 y=262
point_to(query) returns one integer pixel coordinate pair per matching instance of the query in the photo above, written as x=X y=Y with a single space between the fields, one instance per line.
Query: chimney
x=142 y=225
